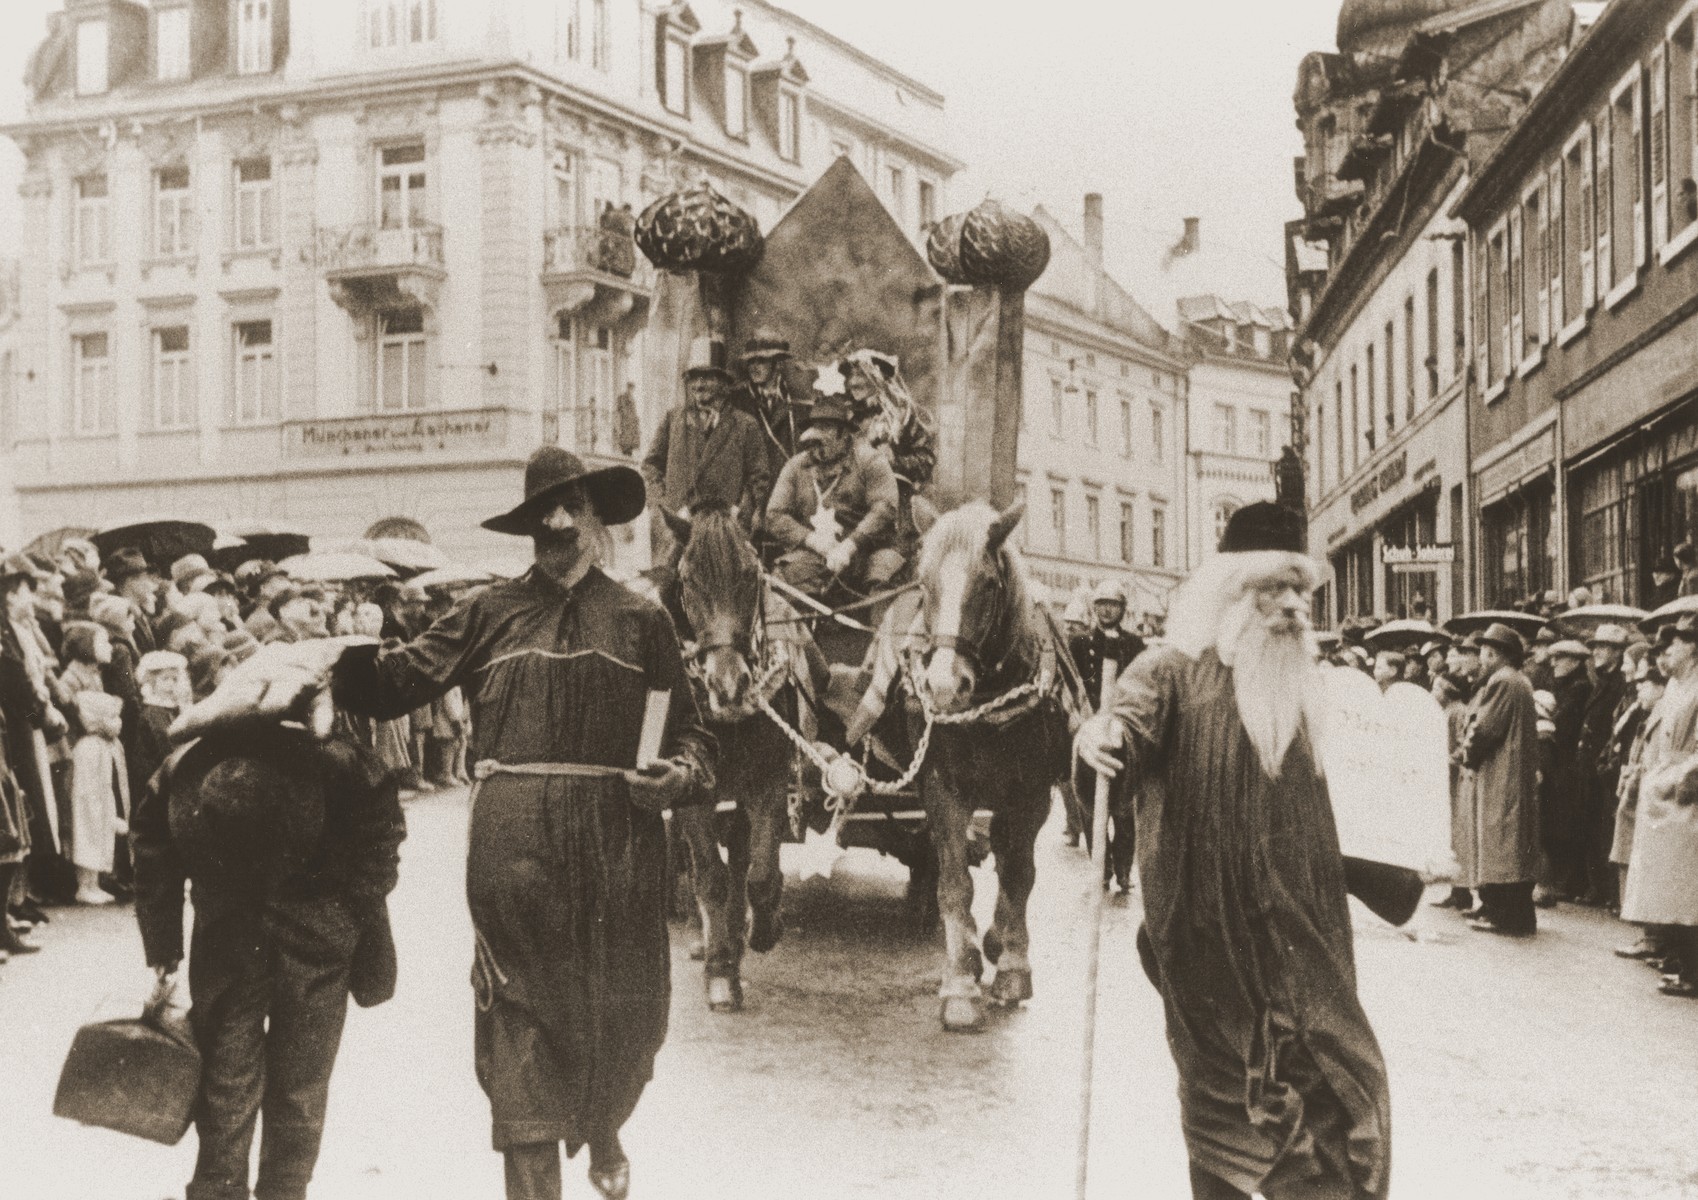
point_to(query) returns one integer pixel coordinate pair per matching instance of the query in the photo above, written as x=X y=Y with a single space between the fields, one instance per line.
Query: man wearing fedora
x=1600 y=770
x=137 y=582
x=566 y=868
x=1500 y=804
x=769 y=395
x=706 y=454
x=833 y=510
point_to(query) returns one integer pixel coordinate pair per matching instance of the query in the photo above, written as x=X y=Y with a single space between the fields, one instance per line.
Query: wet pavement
x=1520 y=1070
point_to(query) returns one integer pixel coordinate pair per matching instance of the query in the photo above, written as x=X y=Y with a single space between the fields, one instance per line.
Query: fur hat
x=1263 y=526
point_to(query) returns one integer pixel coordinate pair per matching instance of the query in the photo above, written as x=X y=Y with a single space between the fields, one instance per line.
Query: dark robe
x=1247 y=936
x=565 y=877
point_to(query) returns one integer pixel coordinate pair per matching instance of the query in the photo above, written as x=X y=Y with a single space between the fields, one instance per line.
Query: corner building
x=1584 y=417
x=324 y=262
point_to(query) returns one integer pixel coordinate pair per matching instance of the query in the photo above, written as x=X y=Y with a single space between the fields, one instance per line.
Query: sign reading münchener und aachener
x=403 y=433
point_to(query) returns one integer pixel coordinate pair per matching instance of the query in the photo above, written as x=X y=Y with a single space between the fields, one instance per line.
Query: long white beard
x=1275 y=680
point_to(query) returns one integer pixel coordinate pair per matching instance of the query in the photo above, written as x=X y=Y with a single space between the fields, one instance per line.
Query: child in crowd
x=100 y=788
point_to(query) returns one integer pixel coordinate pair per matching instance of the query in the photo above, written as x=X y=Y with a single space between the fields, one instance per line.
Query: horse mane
x=966 y=530
x=724 y=568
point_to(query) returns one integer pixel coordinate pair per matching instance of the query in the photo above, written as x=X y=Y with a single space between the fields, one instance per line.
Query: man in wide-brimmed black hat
x=833 y=510
x=566 y=872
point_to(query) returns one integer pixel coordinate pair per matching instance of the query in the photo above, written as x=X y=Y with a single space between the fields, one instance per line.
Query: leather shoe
x=16 y=943
x=1641 y=950
x=1486 y=925
x=613 y=1182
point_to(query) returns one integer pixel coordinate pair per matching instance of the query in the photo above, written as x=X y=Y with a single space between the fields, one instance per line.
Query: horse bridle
x=970 y=648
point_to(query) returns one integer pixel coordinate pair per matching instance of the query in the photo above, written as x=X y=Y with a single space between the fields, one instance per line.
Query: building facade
x=1102 y=437
x=322 y=262
x=1240 y=408
x=1584 y=420
x=1380 y=273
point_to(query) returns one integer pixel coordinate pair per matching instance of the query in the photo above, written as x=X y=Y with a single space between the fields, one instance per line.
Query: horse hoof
x=1011 y=986
x=724 y=995
x=962 y=1014
x=993 y=946
x=764 y=931
x=975 y=963
x=697 y=952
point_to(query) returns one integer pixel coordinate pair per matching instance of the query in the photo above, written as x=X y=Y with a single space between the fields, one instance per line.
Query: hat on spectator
x=240 y=645
x=219 y=583
x=1501 y=637
x=125 y=564
x=1546 y=636
x=1608 y=635
x=80 y=587
x=1108 y=589
x=1570 y=648
x=160 y=660
x=114 y=612
x=17 y=567
x=191 y=573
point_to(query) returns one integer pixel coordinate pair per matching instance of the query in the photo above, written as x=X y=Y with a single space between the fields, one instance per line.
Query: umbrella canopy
x=452 y=577
x=1586 y=619
x=257 y=540
x=49 y=544
x=1673 y=610
x=1400 y=635
x=161 y=540
x=333 y=567
x=1326 y=640
x=404 y=554
x=1526 y=624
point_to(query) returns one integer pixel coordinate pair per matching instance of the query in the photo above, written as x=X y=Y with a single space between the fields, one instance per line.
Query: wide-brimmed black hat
x=616 y=493
x=125 y=564
x=1263 y=526
x=828 y=410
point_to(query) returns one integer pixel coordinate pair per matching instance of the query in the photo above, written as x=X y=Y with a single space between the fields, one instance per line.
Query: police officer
x=1104 y=640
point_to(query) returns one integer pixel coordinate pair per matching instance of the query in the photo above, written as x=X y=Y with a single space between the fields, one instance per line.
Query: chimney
x=1193 y=240
x=1094 y=228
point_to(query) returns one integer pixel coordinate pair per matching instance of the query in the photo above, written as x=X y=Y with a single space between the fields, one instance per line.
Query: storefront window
x=1353 y=575
x=1603 y=554
x=1412 y=593
x=1517 y=555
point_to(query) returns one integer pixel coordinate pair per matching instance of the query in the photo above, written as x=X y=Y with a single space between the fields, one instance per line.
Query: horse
x=987 y=677
x=747 y=647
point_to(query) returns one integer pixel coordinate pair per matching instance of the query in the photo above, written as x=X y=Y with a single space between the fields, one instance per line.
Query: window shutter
x=1588 y=240
x=1555 y=256
x=1638 y=168
x=1605 y=203
x=1515 y=293
x=1543 y=266
x=1483 y=309
x=1659 y=136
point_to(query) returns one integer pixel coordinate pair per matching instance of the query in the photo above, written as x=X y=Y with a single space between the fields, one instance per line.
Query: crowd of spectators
x=97 y=658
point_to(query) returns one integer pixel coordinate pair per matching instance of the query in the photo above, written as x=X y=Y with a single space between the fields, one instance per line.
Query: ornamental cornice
x=506 y=133
x=165 y=144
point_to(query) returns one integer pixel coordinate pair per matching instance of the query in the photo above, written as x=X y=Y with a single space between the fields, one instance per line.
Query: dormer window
x=171 y=44
x=253 y=37
x=736 y=101
x=93 y=51
x=775 y=90
x=393 y=24
x=674 y=27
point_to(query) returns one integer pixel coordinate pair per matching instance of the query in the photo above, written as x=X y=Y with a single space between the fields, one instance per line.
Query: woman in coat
x=1662 y=873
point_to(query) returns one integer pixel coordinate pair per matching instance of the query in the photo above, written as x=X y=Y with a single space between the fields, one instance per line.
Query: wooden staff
x=1094 y=936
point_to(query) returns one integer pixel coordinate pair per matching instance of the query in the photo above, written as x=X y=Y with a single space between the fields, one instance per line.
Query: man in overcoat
x=771 y=395
x=706 y=453
x=1563 y=817
x=1500 y=856
x=566 y=868
x=1247 y=929
x=1599 y=766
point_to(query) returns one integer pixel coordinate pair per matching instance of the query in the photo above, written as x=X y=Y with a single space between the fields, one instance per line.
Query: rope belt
x=486 y=767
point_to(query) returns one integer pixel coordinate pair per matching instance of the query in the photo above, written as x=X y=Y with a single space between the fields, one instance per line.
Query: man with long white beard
x=1247 y=928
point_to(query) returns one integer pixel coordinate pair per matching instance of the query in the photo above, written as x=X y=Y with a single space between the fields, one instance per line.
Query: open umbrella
x=404 y=554
x=161 y=540
x=1586 y=619
x=1673 y=610
x=452 y=577
x=333 y=567
x=1526 y=624
x=259 y=539
x=1400 y=635
x=49 y=544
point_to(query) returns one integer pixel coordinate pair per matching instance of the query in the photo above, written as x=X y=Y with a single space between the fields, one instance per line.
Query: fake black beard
x=558 y=541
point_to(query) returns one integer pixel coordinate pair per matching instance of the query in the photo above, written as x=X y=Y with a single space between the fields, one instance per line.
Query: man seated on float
x=833 y=509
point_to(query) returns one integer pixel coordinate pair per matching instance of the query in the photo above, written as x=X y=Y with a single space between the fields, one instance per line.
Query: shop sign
x=1514 y=467
x=1405 y=560
x=1387 y=477
x=413 y=433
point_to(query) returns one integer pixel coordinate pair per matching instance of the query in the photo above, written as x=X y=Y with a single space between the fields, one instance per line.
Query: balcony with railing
x=370 y=266
x=597 y=273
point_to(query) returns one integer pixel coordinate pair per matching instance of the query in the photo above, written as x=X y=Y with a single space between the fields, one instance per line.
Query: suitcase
x=138 y=1076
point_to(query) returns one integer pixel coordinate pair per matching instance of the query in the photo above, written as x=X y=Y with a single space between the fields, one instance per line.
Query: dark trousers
x=533 y=1171
x=1509 y=905
x=1117 y=863
x=1601 y=873
x=1205 y=1186
x=269 y=987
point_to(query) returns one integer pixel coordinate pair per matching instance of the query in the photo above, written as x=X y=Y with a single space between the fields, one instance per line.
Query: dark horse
x=981 y=640
x=744 y=647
